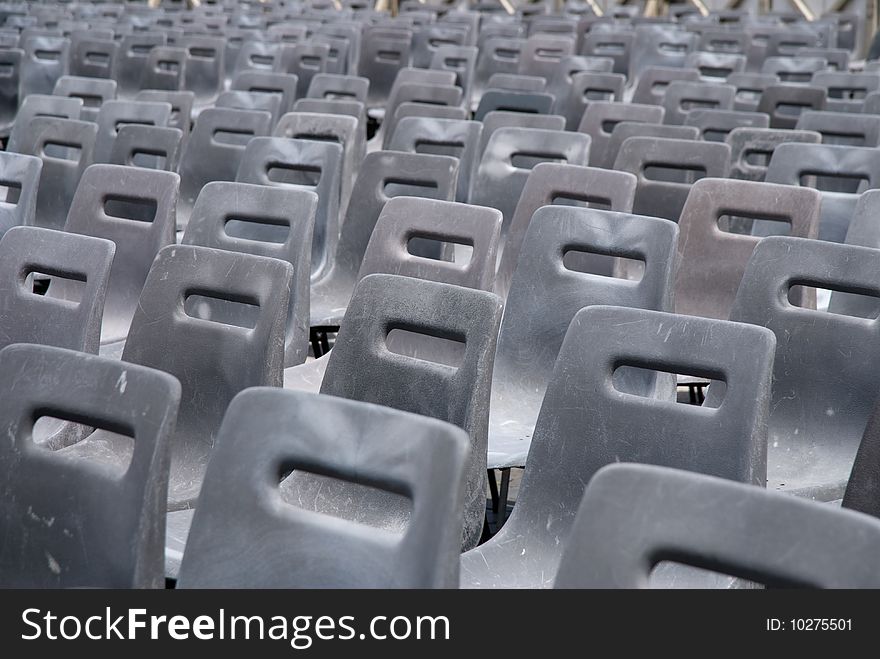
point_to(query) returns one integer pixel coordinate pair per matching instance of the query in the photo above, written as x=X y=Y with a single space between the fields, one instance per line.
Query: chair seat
x=512 y=417
x=177 y=525
x=308 y=376
x=813 y=470
x=105 y=447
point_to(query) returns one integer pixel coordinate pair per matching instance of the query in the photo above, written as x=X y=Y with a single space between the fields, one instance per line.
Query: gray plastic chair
x=181 y=106
x=563 y=77
x=503 y=119
x=545 y=294
x=615 y=44
x=461 y=60
x=517 y=83
x=837 y=58
x=152 y=147
x=383 y=175
x=50 y=319
x=68 y=519
x=667 y=168
x=625 y=129
x=345 y=130
x=784 y=103
x=713 y=259
x=752 y=148
x=715 y=67
x=494 y=100
x=723 y=40
x=93 y=91
x=815 y=429
x=588 y=88
x=10 y=84
x=380 y=60
x=214 y=350
x=593 y=415
x=94 y=58
x=135 y=208
x=460 y=139
x=654 y=81
x=683 y=96
x=842 y=128
x=716 y=125
x=165 y=69
x=542 y=54
x=711 y=524
x=548 y=184
x=428 y=94
x=336 y=60
x=205 y=69
x=272 y=221
x=20 y=176
x=45 y=60
x=655 y=45
x=65 y=147
x=330 y=540
x=301 y=164
x=361 y=367
x=600 y=118
x=305 y=60
x=500 y=178
x=498 y=54
x=794 y=69
x=241 y=100
x=40 y=105
x=330 y=86
x=208 y=159
x=749 y=89
x=846 y=87
x=114 y=114
x=134 y=51
x=270 y=82
x=814 y=164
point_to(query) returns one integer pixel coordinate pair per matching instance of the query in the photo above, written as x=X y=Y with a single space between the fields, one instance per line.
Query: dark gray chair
x=534 y=328
x=383 y=175
x=134 y=51
x=655 y=80
x=361 y=367
x=752 y=148
x=20 y=177
x=39 y=105
x=450 y=137
x=411 y=463
x=509 y=157
x=667 y=168
x=837 y=58
x=152 y=147
x=715 y=67
x=304 y=60
x=165 y=69
x=586 y=89
x=498 y=54
x=814 y=428
x=711 y=524
x=600 y=118
x=114 y=114
x=45 y=60
x=659 y=45
x=785 y=102
x=10 y=85
x=495 y=100
x=330 y=86
x=205 y=69
x=269 y=82
x=504 y=119
x=795 y=70
x=93 y=91
x=380 y=60
x=615 y=44
x=683 y=96
x=214 y=151
x=846 y=170
x=842 y=128
x=271 y=221
x=715 y=125
x=542 y=54
x=713 y=257
x=749 y=89
x=242 y=100
x=94 y=58
x=301 y=164
x=135 y=208
x=461 y=60
x=181 y=106
x=602 y=407
x=68 y=518
x=215 y=320
x=428 y=94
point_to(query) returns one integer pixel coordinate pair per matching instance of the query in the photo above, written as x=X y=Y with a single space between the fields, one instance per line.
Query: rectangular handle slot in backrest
x=843 y=138
x=438 y=148
x=48 y=55
x=598 y=94
x=506 y=54
x=202 y=53
x=257 y=229
x=673 y=173
x=687 y=104
x=582 y=201
x=388 y=56
x=89 y=100
x=837 y=182
x=228 y=310
x=530 y=159
x=403 y=188
x=602 y=263
x=715 y=71
x=168 y=66
x=794 y=76
x=97 y=58
x=742 y=224
x=49 y=421
x=640 y=380
x=422 y=345
x=10 y=192
x=306 y=175
x=62 y=151
x=148 y=158
x=757 y=157
x=232 y=137
x=426 y=246
x=316 y=137
x=338 y=95
x=262 y=60
x=128 y=208
x=67 y=286
x=672 y=48
x=609 y=124
x=859 y=304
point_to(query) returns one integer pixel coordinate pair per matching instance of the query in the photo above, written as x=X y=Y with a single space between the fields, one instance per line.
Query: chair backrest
x=362 y=368
x=461 y=60
x=134 y=51
x=615 y=44
x=20 y=176
x=79 y=523
x=429 y=94
x=600 y=408
x=794 y=70
x=682 y=96
x=505 y=119
x=588 y=88
x=494 y=100
x=453 y=137
x=813 y=165
x=667 y=168
x=272 y=221
x=330 y=86
x=713 y=524
x=381 y=58
x=196 y=320
x=814 y=429
x=259 y=56
x=563 y=77
x=713 y=259
x=114 y=114
x=429 y=38
x=715 y=125
x=94 y=58
x=241 y=100
x=332 y=541
x=714 y=67
x=10 y=84
x=304 y=60
x=749 y=89
x=93 y=91
x=655 y=80
x=45 y=60
x=270 y=82
x=66 y=147
x=39 y=105
x=600 y=118
x=509 y=158
x=165 y=69
x=135 y=208
x=845 y=85
x=205 y=67
x=207 y=159
x=751 y=149
x=152 y=147
x=181 y=106
x=785 y=102
x=842 y=128
x=28 y=317
x=302 y=164
x=548 y=184
x=542 y=54
x=517 y=83
x=659 y=45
